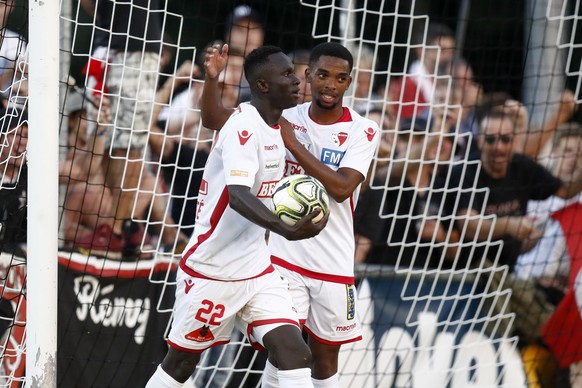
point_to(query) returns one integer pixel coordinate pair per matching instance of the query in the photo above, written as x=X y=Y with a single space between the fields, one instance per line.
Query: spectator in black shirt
x=399 y=225
x=512 y=180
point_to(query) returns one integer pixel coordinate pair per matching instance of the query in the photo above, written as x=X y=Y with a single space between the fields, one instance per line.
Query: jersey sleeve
x=360 y=153
x=239 y=152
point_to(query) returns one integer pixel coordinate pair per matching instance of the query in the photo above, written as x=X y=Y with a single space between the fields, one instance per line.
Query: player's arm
x=213 y=113
x=246 y=204
x=88 y=6
x=339 y=184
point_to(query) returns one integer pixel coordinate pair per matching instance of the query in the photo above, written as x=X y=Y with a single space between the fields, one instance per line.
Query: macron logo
x=189 y=285
x=244 y=136
x=370 y=133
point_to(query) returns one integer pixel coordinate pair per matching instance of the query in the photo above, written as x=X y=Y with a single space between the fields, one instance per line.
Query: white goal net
x=467 y=253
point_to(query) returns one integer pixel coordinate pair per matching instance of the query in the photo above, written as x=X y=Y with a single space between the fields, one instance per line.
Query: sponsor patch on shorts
x=350 y=301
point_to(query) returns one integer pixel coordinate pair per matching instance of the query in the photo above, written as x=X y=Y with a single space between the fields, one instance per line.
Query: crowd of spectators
x=459 y=176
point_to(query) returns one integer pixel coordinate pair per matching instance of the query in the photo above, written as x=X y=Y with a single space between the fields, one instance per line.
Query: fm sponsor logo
x=332 y=157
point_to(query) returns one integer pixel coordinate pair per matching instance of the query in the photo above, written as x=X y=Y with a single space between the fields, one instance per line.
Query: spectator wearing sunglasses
x=491 y=200
x=512 y=179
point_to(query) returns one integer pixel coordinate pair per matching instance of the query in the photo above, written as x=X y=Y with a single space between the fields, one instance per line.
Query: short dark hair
x=256 y=60
x=496 y=114
x=569 y=129
x=434 y=32
x=331 y=49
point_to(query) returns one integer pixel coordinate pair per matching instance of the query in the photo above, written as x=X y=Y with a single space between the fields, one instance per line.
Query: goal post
x=42 y=157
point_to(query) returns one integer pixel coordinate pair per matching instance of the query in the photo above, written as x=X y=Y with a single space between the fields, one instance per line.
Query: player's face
x=283 y=83
x=329 y=78
x=496 y=144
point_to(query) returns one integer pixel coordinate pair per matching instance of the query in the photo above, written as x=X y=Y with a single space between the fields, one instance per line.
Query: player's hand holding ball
x=301 y=201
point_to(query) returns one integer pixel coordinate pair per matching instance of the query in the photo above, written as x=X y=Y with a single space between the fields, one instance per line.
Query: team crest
x=339 y=138
x=202 y=334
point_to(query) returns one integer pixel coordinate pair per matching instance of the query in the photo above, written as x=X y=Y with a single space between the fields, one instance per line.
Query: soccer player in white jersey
x=225 y=276
x=333 y=143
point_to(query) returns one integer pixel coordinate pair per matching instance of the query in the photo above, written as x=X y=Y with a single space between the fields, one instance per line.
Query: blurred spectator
x=300 y=58
x=512 y=180
x=183 y=150
x=13 y=196
x=88 y=203
x=398 y=225
x=415 y=90
x=381 y=167
x=553 y=264
x=548 y=261
x=12 y=50
x=244 y=30
x=528 y=140
x=128 y=38
x=244 y=33
x=434 y=55
x=457 y=96
x=365 y=99
x=180 y=113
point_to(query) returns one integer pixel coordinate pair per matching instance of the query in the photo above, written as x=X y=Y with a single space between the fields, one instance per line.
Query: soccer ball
x=296 y=196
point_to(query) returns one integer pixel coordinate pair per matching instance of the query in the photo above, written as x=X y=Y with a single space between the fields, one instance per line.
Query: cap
x=240 y=13
x=414 y=124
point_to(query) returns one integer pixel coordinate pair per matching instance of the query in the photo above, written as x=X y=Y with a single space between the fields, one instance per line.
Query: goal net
x=467 y=272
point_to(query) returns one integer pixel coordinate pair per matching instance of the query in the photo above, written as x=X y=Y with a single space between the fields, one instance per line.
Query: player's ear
x=262 y=85
x=308 y=75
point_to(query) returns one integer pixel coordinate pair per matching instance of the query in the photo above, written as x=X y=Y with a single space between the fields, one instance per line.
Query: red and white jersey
x=348 y=143
x=225 y=245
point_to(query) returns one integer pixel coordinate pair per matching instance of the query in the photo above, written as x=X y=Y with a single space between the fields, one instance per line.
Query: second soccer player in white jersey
x=336 y=145
x=225 y=276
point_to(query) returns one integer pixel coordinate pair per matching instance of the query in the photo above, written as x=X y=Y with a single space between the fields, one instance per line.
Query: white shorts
x=206 y=311
x=327 y=309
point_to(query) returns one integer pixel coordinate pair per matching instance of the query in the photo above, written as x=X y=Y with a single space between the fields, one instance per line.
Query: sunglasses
x=492 y=139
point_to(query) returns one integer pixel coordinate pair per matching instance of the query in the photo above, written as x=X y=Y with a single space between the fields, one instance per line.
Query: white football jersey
x=348 y=143
x=225 y=245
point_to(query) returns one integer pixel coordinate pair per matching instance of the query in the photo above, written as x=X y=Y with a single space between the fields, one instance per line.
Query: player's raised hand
x=215 y=60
